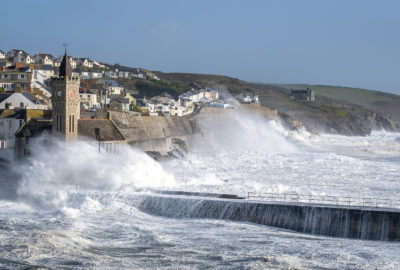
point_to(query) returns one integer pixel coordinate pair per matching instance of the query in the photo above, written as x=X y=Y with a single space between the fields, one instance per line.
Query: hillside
x=383 y=102
x=347 y=111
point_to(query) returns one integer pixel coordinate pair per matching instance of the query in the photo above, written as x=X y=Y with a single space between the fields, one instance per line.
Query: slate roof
x=43 y=55
x=46 y=67
x=65 y=67
x=29 y=96
x=108 y=131
x=14 y=69
x=4 y=96
x=14 y=52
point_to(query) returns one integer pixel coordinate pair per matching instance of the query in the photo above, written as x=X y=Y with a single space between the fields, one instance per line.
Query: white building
x=98 y=64
x=84 y=62
x=89 y=100
x=47 y=71
x=44 y=59
x=112 y=86
x=2 y=55
x=95 y=75
x=23 y=100
x=111 y=74
x=9 y=124
x=124 y=74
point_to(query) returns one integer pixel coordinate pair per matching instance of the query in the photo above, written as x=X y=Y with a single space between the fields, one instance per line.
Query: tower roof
x=65 y=67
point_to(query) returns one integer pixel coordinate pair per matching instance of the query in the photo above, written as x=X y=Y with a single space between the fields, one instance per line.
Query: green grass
x=363 y=97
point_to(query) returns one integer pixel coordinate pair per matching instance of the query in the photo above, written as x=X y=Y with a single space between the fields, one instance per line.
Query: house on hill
x=307 y=94
x=15 y=77
x=44 y=59
x=84 y=62
x=19 y=56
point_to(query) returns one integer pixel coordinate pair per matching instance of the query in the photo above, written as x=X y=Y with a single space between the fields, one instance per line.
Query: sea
x=71 y=207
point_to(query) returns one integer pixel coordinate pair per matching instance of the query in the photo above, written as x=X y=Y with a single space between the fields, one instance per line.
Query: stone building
x=307 y=95
x=65 y=101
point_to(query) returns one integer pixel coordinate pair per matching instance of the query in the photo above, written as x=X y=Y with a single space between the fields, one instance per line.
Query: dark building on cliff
x=307 y=94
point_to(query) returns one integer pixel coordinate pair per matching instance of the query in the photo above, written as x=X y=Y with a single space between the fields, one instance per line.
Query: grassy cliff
x=343 y=110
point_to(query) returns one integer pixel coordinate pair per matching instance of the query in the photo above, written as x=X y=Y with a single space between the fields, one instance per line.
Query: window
x=70 y=120
x=60 y=121
x=21 y=105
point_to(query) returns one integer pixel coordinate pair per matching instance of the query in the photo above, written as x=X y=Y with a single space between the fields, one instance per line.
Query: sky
x=352 y=43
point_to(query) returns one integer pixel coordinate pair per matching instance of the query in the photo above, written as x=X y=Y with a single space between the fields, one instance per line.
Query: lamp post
x=97 y=132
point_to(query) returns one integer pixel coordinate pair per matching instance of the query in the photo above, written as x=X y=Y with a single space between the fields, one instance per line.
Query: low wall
x=360 y=223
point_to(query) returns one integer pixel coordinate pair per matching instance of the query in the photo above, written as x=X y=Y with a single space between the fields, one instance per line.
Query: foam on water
x=77 y=209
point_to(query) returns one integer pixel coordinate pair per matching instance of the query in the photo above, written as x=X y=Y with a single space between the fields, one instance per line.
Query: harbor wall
x=335 y=221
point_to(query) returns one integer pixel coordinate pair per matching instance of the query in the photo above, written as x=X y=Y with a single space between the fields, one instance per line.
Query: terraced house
x=16 y=77
x=44 y=59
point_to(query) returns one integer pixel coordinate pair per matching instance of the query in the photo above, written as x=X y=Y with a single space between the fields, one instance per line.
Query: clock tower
x=65 y=102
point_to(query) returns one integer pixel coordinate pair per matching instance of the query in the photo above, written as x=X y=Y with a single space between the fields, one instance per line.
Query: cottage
x=44 y=59
x=19 y=56
x=84 y=62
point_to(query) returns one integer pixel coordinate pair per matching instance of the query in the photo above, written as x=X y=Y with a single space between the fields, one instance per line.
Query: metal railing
x=324 y=199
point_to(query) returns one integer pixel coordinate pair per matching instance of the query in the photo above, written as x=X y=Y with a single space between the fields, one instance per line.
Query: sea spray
x=55 y=172
x=240 y=130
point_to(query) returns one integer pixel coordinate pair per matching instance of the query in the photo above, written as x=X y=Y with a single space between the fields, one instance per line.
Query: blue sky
x=348 y=43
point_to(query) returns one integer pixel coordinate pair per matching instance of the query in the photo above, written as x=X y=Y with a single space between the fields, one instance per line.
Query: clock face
x=71 y=93
x=59 y=93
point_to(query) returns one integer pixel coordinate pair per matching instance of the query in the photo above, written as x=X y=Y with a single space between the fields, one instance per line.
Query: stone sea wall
x=155 y=133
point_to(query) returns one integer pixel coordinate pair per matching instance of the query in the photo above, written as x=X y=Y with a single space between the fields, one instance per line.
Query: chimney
x=19 y=65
